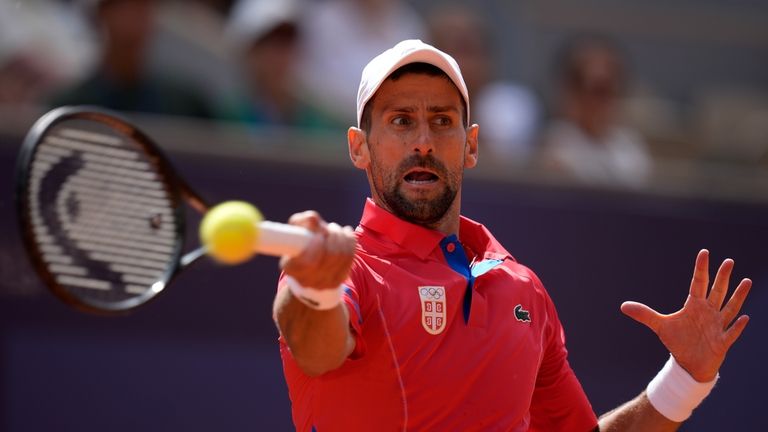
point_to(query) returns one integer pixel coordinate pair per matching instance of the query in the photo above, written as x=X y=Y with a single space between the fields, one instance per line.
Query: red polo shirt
x=450 y=335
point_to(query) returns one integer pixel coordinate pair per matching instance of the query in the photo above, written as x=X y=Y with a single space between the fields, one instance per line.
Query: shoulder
x=561 y=135
x=527 y=288
x=525 y=273
x=370 y=263
x=628 y=139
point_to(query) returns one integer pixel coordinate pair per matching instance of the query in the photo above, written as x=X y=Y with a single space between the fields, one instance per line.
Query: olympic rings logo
x=432 y=292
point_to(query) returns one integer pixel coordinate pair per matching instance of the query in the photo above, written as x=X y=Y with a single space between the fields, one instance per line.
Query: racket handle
x=279 y=239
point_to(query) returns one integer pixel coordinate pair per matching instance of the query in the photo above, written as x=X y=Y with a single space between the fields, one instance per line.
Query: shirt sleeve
x=351 y=300
x=559 y=402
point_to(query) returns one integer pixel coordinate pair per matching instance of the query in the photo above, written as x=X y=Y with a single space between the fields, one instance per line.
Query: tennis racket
x=102 y=211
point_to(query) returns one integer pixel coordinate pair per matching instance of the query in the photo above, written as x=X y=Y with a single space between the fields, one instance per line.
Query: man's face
x=418 y=147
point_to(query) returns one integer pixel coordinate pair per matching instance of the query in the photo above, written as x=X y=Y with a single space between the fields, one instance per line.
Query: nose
x=423 y=141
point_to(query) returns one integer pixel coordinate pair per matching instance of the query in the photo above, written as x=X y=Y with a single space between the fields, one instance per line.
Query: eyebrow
x=439 y=109
x=431 y=109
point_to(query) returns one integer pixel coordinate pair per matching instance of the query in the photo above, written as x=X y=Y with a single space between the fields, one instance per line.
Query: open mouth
x=420 y=177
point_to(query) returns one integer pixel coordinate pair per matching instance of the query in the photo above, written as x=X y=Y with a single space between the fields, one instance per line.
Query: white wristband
x=314 y=298
x=674 y=393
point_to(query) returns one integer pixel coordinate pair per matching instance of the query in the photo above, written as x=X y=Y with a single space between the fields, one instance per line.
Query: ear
x=471 y=150
x=358 y=148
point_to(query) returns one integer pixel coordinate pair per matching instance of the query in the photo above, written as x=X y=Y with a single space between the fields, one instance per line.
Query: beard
x=422 y=211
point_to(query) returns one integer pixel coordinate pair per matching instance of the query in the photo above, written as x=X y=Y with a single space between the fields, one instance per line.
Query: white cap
x=250 y=20
x=406 y=52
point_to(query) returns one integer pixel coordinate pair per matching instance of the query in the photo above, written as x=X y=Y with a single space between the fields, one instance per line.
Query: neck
x=449 y=223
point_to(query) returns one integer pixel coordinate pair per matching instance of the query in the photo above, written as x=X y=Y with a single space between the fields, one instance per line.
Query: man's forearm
x=319 y=340
x=637 y=415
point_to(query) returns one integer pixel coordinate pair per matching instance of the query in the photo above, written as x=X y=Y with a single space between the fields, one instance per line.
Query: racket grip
x=278 y=239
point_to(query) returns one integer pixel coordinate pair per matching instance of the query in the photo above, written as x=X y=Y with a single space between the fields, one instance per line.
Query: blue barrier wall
x=203 y=355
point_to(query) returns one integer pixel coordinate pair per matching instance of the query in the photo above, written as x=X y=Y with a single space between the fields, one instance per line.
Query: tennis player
x=419 y=319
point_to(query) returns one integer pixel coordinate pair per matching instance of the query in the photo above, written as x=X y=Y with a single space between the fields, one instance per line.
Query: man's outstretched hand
x=700 y=334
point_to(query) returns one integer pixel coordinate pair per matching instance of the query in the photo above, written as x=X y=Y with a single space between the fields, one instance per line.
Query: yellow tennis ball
x=230 y=231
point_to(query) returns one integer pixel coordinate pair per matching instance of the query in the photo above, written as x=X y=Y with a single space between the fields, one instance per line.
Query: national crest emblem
x=432 y=308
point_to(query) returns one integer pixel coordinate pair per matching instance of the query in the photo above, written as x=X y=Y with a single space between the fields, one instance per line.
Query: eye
x=443 y=121
x=401 y=121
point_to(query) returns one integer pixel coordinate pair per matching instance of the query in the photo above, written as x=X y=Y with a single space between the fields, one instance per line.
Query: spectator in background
x=265 y=35
x=121 y=80
x=188 y=43
x=586 y=141
x=340 y=37
x=23 y=78
x=508 y=112
x=42 y=46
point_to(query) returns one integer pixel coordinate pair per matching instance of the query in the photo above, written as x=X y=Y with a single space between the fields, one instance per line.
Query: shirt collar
x=417 y=239
x=423 y=241
x=477 y=237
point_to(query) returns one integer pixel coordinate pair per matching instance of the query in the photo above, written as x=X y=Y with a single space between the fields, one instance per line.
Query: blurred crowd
x=296 y=64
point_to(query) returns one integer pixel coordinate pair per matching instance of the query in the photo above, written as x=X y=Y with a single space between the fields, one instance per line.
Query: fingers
x=642 y=314
x=339 y=253
x=327 y=259
x=733 y=333
x=734 y=304
x=700 y=280
x=720 y=285
x=309 y=219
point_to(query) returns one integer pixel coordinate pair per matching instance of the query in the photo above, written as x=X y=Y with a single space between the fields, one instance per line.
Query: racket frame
x=175 y=187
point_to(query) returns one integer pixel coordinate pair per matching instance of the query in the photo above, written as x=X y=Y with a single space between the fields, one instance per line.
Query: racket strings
x=101 y=213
